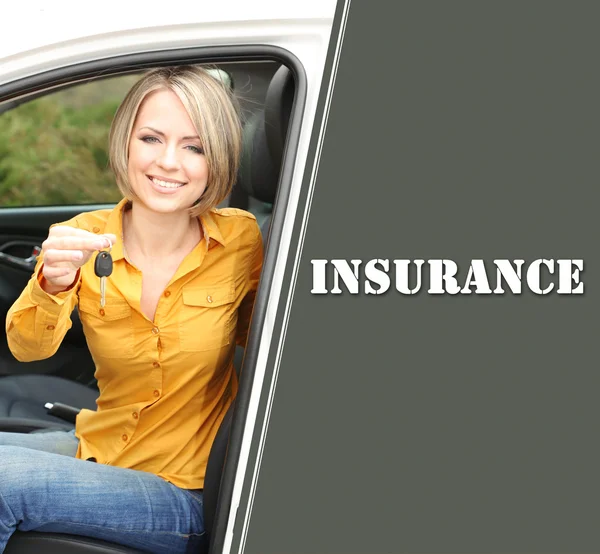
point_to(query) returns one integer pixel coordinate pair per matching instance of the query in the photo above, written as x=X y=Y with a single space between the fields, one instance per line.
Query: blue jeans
x=43 y=487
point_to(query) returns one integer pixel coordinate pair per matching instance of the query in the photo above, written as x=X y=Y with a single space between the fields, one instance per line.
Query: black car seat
x=265 y=138
x=264 y=144
x=22 y=400
x=23 y=397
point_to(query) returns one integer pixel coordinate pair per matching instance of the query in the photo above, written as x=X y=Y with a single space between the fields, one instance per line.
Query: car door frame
x=112 y=66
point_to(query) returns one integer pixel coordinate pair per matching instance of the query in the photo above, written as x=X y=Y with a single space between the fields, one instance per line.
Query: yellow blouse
x=166 y=384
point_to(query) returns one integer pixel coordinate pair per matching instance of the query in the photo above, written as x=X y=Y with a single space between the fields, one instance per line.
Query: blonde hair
x=214 y=113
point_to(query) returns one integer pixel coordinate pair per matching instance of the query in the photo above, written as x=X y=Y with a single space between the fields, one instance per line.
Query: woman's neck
x=159 y=235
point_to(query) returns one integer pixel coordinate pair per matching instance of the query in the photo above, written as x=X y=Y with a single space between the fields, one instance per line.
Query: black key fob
x=103 y=265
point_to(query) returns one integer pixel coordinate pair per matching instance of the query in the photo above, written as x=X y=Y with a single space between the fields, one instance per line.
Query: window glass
x=54 y=149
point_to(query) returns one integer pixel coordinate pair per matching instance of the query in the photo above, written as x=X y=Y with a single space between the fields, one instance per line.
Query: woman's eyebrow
x=162 y=134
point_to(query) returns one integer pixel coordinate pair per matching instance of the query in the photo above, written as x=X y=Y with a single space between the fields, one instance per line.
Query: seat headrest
x=263 y=139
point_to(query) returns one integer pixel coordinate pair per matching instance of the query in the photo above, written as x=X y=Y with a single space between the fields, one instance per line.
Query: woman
x=178 y=300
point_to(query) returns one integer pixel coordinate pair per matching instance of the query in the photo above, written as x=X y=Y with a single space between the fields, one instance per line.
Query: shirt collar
x=211 y=230
x=114 y=225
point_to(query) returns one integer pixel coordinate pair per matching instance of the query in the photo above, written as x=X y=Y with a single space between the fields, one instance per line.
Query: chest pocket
x=108 y=330
x=207 y=317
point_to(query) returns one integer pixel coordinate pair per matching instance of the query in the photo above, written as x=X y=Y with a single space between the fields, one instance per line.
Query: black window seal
x=115 y=65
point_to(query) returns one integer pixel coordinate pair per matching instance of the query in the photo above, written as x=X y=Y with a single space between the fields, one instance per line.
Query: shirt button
x=124 y=437
x=209 y=298
x=167 y=293
x=155 y=330
x=102 y=312
x=135 y=415
x=96 y=229
x=50 y=327
x=155 y=364
x=156 y=393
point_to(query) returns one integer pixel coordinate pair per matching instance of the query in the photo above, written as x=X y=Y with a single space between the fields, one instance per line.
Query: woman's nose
x=168 y=158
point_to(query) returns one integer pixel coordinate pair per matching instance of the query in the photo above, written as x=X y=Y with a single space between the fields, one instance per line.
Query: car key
x=103 y=267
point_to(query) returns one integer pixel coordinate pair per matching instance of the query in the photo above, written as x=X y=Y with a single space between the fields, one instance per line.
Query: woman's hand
x=65 y=250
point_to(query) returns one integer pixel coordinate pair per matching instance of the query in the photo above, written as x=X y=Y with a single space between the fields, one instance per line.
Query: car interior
x=266 y=92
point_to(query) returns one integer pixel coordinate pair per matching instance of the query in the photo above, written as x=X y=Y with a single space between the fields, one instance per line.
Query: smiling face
x=167 y=169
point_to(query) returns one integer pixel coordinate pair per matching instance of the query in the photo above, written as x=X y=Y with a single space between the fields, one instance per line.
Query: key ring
x=109 y=245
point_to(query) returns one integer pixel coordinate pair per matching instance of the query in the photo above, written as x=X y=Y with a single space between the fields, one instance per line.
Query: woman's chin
x=165 y=205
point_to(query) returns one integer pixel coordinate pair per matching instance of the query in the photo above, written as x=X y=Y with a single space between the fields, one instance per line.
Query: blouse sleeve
x=37 y=322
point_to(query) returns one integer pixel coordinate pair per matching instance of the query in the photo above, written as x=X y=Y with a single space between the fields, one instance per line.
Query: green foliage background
x=54 y=149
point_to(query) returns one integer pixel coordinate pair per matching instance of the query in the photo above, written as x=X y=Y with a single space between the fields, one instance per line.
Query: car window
x=54 y=148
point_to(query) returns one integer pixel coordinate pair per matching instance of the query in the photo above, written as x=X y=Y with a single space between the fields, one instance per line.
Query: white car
x=64 y=66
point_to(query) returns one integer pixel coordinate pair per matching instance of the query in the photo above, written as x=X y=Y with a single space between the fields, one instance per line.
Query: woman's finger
x=66 y=231
x=112 y=239
x=53 y=272
x=89 y=244
x=54 y=256
x=107 y=239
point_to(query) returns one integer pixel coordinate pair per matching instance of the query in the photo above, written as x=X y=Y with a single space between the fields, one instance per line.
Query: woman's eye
x=195 y=149
x=150 y=139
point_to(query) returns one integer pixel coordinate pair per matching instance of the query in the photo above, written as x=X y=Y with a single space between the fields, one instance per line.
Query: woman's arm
x=38 y=321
